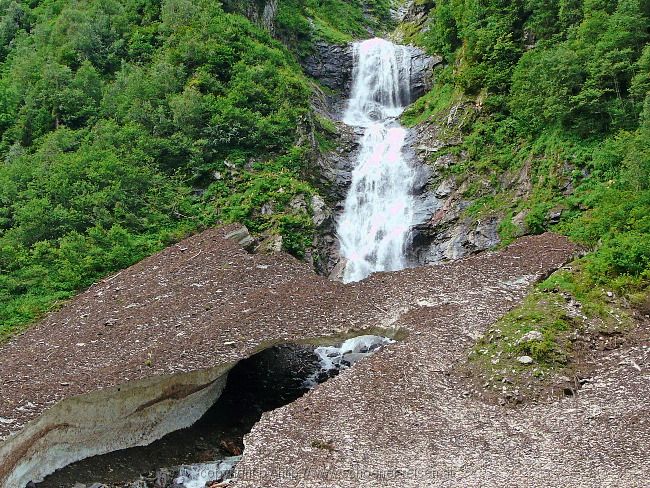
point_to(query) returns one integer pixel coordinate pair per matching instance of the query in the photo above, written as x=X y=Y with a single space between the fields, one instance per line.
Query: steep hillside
x=541 y=120
x=126 y=125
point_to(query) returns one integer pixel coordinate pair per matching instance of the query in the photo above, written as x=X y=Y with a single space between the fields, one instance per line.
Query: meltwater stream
x=380 y=208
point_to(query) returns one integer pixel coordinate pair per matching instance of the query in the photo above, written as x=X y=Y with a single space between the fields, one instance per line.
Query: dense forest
x=125 y=125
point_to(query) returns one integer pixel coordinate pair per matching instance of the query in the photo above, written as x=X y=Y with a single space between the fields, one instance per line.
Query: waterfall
x=380 y=209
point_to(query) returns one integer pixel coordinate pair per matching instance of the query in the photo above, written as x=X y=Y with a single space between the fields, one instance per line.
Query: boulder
x=270 y=245
x=242 y=237
x=532 y=336
x=320 y=212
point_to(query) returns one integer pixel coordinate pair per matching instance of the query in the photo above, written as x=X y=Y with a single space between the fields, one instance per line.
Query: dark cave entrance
x=267 y=380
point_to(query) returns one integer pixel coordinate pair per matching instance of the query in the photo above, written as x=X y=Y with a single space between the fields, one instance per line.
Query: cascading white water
x=379 y=210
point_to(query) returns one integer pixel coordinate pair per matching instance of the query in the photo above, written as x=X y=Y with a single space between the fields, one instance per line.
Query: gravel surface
x=396 y=419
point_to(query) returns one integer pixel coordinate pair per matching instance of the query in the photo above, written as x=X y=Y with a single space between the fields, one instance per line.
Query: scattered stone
x=288 y=302
x=519 y=221
x=164 y=477
x=218 y=484
x=242 y=237
x=445 y=188
x=230 y=447
x=525 y=359
x=298 y=204
x=532 y=336
x=270 y=245
x=267 y=209
x=554 y=216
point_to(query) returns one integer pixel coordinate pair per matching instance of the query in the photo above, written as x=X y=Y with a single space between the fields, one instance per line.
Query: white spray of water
x=197 y=475
x=338 y=358
x=380 y=209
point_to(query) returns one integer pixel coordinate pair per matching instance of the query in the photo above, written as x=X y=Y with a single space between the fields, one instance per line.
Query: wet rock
x=164 y=478
x=421 y=75
x=339 y=270
x=331 y=65
x=334 y=168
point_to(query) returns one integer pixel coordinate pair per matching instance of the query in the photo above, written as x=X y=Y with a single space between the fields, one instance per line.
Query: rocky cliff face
x=332 y=66
x=260 y=12
x=457 y=225
x=421 y=74
x=448 y=232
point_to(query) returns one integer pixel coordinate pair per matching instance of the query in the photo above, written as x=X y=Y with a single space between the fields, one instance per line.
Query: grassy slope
x=575 y=109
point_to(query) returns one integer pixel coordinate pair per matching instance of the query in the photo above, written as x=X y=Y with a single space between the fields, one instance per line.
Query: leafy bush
x=563 y=89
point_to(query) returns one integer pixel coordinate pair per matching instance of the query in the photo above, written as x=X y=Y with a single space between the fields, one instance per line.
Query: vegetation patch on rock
x=548 y=345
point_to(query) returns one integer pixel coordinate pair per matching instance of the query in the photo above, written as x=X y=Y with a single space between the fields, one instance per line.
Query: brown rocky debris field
x=395 y=419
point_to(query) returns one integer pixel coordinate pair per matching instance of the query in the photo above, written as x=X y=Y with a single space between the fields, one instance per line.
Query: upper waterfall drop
x=381 y=82
x=380 y=208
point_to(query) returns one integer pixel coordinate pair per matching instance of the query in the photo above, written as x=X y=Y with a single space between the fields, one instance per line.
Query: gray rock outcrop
x=260 y=12
x=421 y=75
x=449 y=231
x=331 y=65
